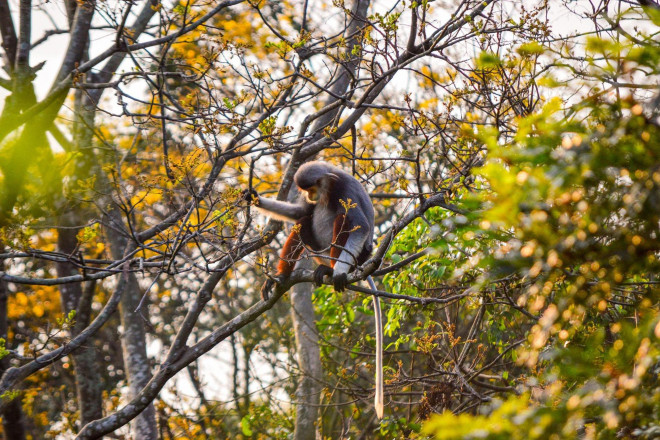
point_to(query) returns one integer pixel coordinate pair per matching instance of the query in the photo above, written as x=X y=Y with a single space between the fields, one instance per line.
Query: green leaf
x=530 y=49
x=3 y=350
x=350 y=314
x=488 y=60
x=246 y=429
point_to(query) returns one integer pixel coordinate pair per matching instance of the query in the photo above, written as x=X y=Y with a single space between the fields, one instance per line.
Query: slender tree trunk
x=136 y=362
x=134 y=345
x=133 y=338
x=13 y=424
x=247 y=353
x=88 y=385
x=234 y=376
x=308 y=393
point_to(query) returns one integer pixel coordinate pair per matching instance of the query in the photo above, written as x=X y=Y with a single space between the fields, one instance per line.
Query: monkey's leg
x=340 y=235
x=289 y=255
x=339 y=238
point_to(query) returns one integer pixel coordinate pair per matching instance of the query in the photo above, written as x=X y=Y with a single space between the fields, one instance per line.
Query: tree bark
x=136 y=362
x=88 y=386
x=13 y=424
x=308 y=393
x=133 y=338
x=347 y=73
x=8 y=33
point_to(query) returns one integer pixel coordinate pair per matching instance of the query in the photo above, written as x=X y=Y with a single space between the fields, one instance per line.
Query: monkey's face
x=312 y=194
x=317 y=192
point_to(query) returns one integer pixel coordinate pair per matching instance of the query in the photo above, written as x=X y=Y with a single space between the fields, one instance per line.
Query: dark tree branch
x=8 y=33
x=25 y=28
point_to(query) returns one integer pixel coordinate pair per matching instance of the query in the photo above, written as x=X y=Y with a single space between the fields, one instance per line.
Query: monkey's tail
x=378 y=318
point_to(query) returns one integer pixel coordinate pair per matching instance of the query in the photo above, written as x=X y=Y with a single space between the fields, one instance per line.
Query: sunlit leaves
x=501 y=425
x=530 y=49
x=88 y=233
x=387 y=22
x=43 y=302
x=68 y=320
x=488 y=60
x=16 y=236
x=271 y=132
x=245 y=426
x=581 y=205
x=609 y=377
x=3 y=349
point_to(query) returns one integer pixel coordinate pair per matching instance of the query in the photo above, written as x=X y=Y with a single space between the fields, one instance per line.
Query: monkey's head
x=315 y=181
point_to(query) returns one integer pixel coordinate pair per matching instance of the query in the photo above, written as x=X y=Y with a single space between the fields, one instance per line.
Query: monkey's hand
x=250 y=196
x=321 y=272
x=340 y=281
x=268 y=287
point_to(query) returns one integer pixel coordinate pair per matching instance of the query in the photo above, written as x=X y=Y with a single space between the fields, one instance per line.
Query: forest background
x=512 y=154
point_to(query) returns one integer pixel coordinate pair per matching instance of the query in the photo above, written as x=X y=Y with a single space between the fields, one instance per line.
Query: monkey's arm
x=348 y=257
x=349 y=237
x=283 y=210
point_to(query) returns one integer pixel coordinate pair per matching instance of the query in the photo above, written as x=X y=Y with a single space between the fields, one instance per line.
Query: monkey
x=334 y=218
x=339 y=236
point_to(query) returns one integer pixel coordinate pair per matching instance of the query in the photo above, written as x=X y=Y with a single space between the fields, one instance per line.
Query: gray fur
x=311 y=172
x=284 y=210
x=342 y=186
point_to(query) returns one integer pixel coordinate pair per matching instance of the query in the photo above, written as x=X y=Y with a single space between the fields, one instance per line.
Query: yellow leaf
x=38 y=310
x=21 y=299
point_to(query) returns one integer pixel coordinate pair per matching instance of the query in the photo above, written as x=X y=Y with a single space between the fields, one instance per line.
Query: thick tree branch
x=78 y=39
x=8 y=33
x=25 y=30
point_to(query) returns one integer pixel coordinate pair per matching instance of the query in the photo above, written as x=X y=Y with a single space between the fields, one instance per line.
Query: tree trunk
x=88 y=385
x=12 y=418
x=247 y=353
x=136 y=362
x=308 y=392
x=133 y=338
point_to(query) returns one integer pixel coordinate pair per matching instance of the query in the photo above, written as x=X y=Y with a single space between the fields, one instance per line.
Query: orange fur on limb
x=290 y=253
x=339 y=238
x=294 y=246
